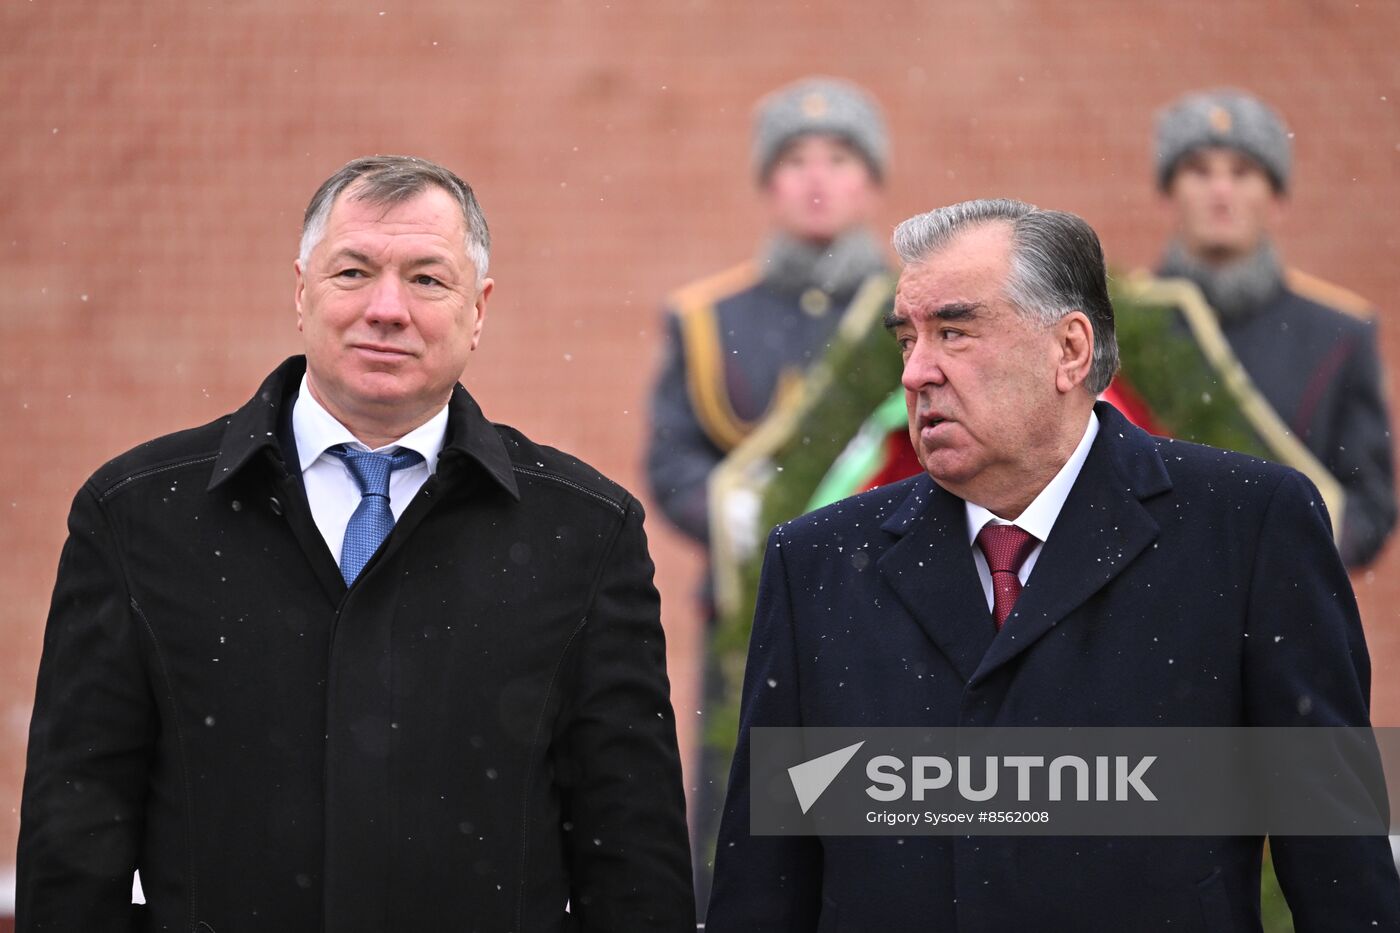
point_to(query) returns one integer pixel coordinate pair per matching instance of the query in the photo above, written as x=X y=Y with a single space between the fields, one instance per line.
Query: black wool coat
x=1180 y=586
x=474 y=736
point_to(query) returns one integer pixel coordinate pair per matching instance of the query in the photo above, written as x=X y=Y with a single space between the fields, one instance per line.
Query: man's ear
x=487 y=287
x=1074 y=344
x=301 y=287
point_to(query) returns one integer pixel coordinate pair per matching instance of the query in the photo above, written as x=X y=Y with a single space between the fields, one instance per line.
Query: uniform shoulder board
x=715 y=287
x=1326 y=293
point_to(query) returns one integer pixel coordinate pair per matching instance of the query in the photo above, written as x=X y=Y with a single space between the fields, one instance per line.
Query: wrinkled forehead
x=428 y=215
x=972 y=267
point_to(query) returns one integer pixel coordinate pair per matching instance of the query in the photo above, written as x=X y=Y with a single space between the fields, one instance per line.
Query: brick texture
x=158 y=157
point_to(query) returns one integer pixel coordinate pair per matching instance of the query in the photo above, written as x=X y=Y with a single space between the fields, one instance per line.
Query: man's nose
x=817 y=171
x=388 y=304
x=923 y=368
x=1222 y=184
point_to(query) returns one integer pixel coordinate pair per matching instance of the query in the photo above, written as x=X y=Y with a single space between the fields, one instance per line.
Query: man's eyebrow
x=959 y=311
x=353 y=255
x=953 y=311
x=429 y=260
x=356 y=256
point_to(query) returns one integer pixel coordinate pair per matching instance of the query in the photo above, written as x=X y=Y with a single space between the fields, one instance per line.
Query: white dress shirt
x=1038 y=518
x=330 y=489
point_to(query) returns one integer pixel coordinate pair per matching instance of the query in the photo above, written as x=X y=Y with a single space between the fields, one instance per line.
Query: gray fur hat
x=819 y=105
x=1227 y=118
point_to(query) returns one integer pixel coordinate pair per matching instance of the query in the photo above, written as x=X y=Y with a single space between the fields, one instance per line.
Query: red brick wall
x=157 y=157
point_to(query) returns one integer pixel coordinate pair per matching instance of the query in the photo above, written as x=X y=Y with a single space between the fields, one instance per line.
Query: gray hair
x=389 y=180
x=1056 y=266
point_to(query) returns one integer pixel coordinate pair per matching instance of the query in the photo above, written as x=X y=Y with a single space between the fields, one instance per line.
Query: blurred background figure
x=737 y=342
x=735 y=339
x=1223 y=163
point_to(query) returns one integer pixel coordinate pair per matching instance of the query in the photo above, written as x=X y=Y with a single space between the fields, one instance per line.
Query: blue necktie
x=373 y=519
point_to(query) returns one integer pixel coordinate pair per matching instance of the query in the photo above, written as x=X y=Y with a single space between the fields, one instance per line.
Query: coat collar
x=253 y=430
x=471 y=439
x=1102 y=528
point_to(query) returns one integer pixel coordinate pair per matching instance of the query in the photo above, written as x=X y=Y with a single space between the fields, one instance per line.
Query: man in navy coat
x=1056 y=566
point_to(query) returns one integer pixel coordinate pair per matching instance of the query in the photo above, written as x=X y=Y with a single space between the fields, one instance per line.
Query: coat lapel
x=1102 y=528
x=930 y=568
x=297 y=513
x=474 y=460
x=259 y=437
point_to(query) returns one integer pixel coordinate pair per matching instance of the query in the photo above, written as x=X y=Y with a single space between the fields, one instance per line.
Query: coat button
x=275 y=505
x=815 y=302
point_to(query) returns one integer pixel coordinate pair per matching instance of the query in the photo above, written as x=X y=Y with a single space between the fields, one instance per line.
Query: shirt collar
x=317 y=430
x=1039 y=517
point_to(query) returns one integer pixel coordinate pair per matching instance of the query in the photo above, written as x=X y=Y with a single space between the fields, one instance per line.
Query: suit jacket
x=474 y=733
x=1181 y=586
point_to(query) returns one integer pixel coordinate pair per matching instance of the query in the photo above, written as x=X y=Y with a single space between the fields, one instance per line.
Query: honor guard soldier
x=738 y=342
x=1223 y=161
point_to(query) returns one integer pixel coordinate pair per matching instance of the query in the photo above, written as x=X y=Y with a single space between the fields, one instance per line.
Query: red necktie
x=1006 y=548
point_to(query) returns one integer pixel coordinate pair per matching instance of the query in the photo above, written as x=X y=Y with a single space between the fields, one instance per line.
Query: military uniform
x=736 y=345
x=1308 y=346
x=736 y=342
x=1311 y=351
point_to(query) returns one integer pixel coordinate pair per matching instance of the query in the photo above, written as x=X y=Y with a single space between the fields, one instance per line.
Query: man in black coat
x=354 y=658
x=1223 y=163
x=1054 y=566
